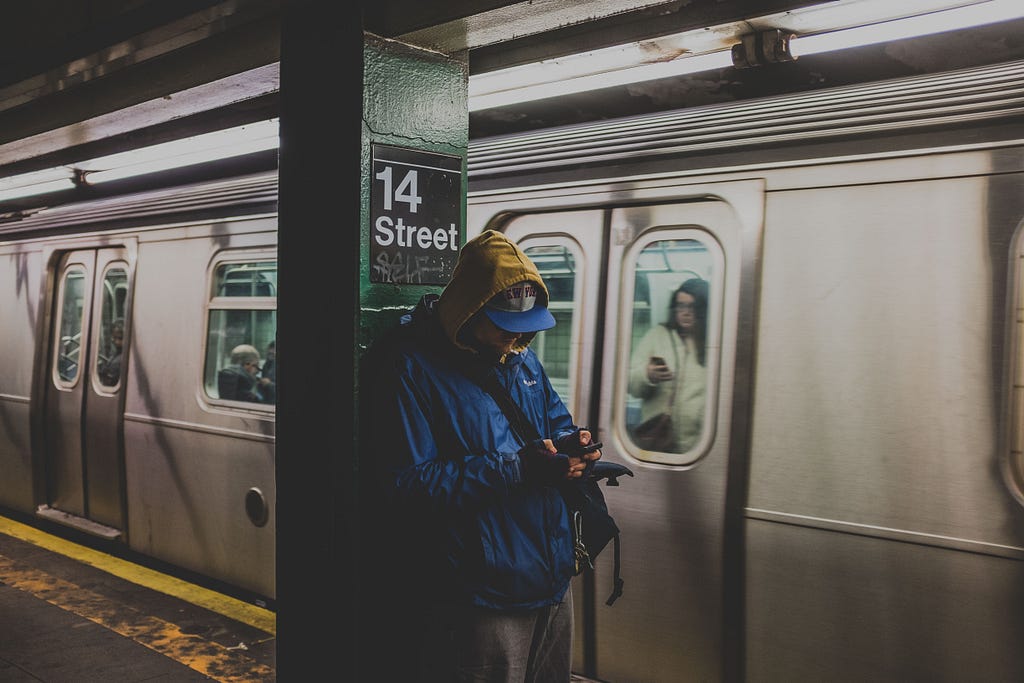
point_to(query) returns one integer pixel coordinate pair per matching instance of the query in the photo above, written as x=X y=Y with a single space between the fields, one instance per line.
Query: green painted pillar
x=415 y=112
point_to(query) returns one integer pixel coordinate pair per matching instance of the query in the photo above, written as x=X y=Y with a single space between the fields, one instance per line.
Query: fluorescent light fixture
x=709 y=49
x=953 y=19
x=594 y=81
x=37 y=182
x=682 y=53
x=223 y=144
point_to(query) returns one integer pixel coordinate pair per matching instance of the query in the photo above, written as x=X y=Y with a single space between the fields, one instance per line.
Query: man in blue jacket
x=476 y=511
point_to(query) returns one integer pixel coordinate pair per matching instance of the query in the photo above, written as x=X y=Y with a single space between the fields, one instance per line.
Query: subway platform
x=72 y=614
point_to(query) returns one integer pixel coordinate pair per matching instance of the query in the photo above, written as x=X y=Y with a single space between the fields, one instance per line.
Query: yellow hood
x=488 y=264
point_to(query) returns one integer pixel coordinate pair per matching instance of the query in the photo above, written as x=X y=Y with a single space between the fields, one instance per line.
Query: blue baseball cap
x=516 y=309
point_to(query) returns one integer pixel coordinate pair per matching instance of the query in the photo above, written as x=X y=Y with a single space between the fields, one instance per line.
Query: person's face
x=493 y=338
x=117 y=338
x=251 y=366
x=683 y=309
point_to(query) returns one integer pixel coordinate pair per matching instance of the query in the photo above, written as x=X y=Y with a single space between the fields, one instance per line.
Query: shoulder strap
x=521 y=424
x=527 y=432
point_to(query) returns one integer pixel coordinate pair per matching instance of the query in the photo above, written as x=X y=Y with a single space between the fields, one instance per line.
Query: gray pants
x=484 y=646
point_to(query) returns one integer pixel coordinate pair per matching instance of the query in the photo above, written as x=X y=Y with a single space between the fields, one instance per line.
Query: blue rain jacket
x=475 y=531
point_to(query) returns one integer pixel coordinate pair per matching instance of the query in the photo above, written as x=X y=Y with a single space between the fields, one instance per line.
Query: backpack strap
x=521 y=425
x=527 y=432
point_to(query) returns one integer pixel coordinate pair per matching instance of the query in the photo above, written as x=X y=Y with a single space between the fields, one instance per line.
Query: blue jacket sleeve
x=427 y=457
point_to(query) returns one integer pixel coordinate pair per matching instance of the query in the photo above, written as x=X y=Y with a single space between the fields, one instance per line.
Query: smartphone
x=658 y=360
x=591 y=447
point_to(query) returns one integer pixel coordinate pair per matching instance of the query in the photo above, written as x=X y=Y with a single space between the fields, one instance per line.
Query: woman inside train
x=668 y=374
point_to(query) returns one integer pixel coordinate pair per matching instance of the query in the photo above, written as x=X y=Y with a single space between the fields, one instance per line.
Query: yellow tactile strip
x=208 y=658
x=245 y=613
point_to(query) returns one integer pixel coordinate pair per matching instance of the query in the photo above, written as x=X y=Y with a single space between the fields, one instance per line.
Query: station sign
x=415 y=216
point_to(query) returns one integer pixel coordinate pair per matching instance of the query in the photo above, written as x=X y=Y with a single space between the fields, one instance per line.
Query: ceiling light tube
x=957 y=18
x=224 y=144
x=593 y=81
x=710 y=49
x=36 y=182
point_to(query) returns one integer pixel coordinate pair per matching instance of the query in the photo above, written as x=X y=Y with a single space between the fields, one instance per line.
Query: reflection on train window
x=241 y=345
x=69 y=341
x=668 y=359
x=114 y=294
x=558 y=267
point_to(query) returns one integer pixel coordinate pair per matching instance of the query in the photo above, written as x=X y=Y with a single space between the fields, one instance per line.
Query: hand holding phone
x=658 y=370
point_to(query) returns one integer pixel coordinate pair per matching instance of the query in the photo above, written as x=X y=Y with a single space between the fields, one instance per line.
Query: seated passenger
x=238 y=381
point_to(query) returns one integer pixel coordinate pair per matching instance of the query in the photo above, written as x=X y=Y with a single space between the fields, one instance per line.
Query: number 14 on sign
x=405 y=192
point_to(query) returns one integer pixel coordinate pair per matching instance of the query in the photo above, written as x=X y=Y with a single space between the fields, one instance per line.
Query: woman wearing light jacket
x=667 y=371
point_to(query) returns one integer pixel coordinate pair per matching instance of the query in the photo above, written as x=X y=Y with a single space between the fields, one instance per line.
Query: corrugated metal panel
x=986 y=93
x=244 y=195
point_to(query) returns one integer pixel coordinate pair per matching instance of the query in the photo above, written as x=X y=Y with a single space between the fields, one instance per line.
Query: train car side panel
x=827 y=606
x=194 y=462
x=188 y=491
x=20 y=268
x=880 y=524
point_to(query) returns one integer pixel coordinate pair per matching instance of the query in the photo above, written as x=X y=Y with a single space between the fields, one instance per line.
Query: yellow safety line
x=209 y=658
x=240 y=611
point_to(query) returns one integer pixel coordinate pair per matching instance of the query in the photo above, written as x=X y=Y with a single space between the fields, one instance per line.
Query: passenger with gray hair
x=238 y=381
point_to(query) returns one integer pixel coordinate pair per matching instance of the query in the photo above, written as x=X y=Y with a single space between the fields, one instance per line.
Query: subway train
x=125 y=409
x=850 y=507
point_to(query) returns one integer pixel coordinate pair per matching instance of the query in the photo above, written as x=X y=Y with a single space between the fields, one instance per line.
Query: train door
x=614 y=275
x=83 y=453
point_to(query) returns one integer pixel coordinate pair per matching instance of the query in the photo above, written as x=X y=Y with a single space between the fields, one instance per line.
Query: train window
x=670 y=360
x=558 y=266
x=114 y=293
x=1013 y=459
x=241 y=354
x=71 y=304
x=246 y=279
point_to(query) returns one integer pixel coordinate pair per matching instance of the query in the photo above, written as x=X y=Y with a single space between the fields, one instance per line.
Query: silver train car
x=850 y=508
x=118 y=412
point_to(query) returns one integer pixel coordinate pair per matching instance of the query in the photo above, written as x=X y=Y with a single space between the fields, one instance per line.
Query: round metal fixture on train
x=256 y=507
x=764 y=47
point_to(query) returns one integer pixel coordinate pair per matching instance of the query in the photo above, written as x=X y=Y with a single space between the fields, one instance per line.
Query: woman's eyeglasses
x=684 y=307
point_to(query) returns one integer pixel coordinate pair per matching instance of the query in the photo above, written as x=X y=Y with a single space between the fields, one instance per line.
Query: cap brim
x=534 y=320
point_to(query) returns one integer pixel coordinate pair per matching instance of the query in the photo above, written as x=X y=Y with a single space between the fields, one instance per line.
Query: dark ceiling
x=83 y=77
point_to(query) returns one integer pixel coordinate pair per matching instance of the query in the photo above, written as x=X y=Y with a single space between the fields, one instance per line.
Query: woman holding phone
x=667 y=370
